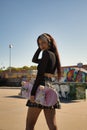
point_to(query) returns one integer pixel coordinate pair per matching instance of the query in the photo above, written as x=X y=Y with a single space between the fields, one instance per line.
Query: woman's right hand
x=39 y=48
x=41 y=87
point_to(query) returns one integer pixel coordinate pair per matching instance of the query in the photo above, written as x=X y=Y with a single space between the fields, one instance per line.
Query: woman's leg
x=50 y=115
x=32 y=116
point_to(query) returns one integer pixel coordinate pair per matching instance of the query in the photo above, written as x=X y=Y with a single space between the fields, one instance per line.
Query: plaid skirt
x=30 y=104
x=49 y=82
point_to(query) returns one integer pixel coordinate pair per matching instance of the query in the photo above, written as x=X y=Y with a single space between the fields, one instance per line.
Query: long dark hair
x=54 y=49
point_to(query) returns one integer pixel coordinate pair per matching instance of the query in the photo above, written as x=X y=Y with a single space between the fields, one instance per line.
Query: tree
x=25 y=68
x=33 y=67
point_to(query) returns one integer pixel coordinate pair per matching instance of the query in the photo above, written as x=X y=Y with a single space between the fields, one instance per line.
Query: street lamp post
x=10 y=46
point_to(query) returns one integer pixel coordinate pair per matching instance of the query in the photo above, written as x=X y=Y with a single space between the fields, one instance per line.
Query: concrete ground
x=72 y=116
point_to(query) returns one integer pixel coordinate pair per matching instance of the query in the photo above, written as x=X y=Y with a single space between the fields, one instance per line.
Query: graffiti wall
x=74 y=75
x=73 y=91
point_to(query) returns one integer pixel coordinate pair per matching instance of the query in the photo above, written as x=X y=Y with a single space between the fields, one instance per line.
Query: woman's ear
x=49 y=43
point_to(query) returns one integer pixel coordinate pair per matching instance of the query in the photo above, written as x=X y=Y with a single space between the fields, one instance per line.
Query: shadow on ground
x=14 y=96
x=61 y=101
x=70 y=101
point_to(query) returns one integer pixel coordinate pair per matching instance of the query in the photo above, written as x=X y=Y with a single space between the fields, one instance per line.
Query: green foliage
x=1 y=70
x=25 y=68
x=33 y=67
x=77 y=91
x=21 y=68
x=72 y=93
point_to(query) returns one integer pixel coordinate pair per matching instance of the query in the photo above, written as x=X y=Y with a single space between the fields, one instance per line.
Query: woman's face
x=43 y=44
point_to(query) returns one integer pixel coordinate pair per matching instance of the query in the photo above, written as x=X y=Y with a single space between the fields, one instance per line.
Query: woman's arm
x=35 y=57
x=41 y=70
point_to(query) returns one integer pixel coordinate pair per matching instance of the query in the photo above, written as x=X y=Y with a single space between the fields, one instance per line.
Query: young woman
x=47 y=66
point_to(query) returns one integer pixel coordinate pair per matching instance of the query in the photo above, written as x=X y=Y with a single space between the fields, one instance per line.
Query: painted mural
x=74 y=75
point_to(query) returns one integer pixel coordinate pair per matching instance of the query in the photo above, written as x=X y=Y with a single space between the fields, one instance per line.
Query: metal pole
x=10 y=59
x=10 y=46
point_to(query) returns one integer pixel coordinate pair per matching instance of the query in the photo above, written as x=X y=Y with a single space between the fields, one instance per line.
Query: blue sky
x=22 y=21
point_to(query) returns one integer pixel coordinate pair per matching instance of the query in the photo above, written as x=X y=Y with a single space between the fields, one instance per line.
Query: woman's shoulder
x=45 y=52
x=48 y=53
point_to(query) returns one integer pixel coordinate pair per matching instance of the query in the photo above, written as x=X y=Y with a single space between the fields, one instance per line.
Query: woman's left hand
x=32 y=98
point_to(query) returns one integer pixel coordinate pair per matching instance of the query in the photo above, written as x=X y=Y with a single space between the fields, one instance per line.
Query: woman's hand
x=32 y=98
x=41 y=87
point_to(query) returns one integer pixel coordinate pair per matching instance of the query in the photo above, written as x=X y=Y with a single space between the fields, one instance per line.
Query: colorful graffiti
x=74 y=75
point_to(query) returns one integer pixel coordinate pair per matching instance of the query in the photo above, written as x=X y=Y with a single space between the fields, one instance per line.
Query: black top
x=47 y=64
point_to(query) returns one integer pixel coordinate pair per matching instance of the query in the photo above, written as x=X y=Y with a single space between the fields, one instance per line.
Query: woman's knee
x=50 y=116
x=31 y=119
x=30 y=123
x=52 y=127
